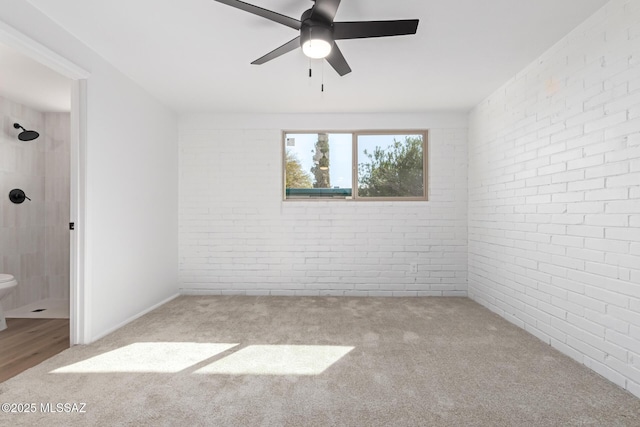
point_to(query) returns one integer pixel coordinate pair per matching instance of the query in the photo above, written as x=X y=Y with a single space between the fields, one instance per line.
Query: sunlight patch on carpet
x=161 y=357
x=278 y=360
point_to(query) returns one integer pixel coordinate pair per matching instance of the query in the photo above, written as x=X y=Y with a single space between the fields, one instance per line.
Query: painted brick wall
x=237 y=236
x=554 y=196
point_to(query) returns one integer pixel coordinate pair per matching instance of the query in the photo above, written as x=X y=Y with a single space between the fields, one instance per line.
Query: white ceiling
x=30 y=83
x=194 y=55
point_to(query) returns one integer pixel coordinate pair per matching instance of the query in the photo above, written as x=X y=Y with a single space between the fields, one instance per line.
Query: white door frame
x=79 y=298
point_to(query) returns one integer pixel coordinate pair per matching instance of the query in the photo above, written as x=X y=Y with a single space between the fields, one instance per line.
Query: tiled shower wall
x=34 y=240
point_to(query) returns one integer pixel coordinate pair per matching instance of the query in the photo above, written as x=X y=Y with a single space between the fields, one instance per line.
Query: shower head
x=26 y=135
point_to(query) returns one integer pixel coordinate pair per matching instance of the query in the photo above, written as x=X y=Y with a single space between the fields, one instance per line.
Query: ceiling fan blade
x=326 y=9
x=287 y=47
x=366 y=29
x=337 y=61
x=268 y=14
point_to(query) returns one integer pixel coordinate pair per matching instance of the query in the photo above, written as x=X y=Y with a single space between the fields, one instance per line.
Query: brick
x=606 y=122
x=605 y=147
x=588 y=116
x=585 y=231
x=552 y=169
x=628 y=234
x=585 y=254
x=625 y=315
x=573 y=241
x=622 y=206
x=576 y=175
x=546 y=198
x=607 y=194
x=570 y=263
x=586 y=208
x=622 y=103
x=589 y=184
x=586 y=350
x=623 y=260
x=566 y=350
x=626 y=128
x=623 y=340
x=552 y=229
x=569 y=197
x=607 y=245
x=611 y=220
x=585 y=140
x=607 y=170
x=537 y=181
x=586 y=162
x=624 y=180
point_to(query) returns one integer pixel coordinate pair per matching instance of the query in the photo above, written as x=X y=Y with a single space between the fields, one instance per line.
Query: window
x=366 y=165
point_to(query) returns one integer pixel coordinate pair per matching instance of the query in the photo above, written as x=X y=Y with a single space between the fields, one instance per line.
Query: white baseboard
x=319 y=292
x=132 y=318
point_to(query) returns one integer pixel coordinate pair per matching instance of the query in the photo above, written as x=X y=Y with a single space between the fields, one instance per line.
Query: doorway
x=77 y=76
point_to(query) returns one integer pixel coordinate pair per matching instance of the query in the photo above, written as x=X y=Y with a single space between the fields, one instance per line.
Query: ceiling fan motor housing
x=313 y=28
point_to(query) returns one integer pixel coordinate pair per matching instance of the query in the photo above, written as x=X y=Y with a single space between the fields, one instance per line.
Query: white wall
x=57 y=140
x=131 y=183
x=132 y=196
x=237 y=236
x=554 y=196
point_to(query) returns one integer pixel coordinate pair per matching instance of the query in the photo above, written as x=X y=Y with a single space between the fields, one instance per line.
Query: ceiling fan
x=318 y=31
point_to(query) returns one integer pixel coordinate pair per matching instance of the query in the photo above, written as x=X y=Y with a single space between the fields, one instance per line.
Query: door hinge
x=72 y=226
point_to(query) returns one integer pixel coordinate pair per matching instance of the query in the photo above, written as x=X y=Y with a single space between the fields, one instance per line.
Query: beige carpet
x=310 y=361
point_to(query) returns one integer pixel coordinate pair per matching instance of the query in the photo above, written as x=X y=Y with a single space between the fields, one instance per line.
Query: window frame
x=354 y=165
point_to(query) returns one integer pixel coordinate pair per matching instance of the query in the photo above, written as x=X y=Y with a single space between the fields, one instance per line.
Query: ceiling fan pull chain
x=322 y=86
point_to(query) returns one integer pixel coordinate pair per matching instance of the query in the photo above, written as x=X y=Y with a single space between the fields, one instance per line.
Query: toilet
x=7 y=284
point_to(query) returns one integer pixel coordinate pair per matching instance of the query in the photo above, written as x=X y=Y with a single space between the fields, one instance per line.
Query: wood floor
x=27 y=342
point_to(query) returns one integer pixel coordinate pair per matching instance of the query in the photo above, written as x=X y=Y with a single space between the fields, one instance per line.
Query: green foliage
x=395 y=172
x=295 y=176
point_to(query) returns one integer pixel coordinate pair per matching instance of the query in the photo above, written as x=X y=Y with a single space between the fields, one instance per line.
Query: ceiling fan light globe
x=316 y=48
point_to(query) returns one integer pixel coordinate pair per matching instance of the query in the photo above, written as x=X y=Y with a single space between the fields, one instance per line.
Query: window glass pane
x=318 y=165
x=391 y=165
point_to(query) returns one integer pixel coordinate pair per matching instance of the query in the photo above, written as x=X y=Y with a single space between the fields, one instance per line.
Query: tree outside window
x=386 y=165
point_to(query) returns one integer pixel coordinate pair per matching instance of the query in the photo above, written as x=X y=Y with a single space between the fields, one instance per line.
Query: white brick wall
x=554 y=196
x=237 y=236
